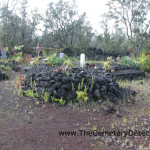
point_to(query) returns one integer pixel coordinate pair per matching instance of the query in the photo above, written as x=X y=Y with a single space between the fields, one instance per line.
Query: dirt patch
x=25 y=126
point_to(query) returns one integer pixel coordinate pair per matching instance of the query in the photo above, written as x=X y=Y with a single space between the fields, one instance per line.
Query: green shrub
x=53 y=60
x=144 y=61
x=127 y=61
x=82 y=96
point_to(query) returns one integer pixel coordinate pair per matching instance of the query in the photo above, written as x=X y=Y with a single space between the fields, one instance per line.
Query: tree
x=9 y=7
x=28 y=23
x=18 y=30
x=63 y=26
x=132 y=15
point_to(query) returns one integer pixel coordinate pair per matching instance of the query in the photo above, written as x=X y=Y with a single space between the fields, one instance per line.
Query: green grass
x=91 y=61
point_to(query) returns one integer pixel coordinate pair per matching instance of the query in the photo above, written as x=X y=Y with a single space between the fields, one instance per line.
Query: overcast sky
x=93 y=8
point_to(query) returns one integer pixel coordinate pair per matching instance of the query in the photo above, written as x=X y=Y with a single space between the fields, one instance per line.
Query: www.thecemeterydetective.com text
x=104 y=133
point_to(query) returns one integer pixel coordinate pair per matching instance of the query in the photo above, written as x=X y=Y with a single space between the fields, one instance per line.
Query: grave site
x=71 y=88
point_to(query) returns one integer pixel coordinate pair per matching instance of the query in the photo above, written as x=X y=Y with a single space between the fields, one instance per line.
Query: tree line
x=65 y=28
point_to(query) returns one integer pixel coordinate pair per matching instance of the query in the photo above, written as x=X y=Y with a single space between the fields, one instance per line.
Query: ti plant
x=45 y=96
x=68 y=63
x=29 y=93
x=107 y=65
x=73 y=88
x=80 y=85
x=82 y=96
x=92 y=83
x=60 y=101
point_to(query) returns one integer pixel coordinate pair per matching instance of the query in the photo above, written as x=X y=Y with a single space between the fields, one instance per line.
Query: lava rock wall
x=59 y=84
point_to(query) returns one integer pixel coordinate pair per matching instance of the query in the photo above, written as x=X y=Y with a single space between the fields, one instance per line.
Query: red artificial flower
x=19 y=60
x=17 y=85
x=60 y=68
x=27 y=58
x=55 y=70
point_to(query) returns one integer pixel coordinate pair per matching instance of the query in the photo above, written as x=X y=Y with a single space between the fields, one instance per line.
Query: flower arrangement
x=27 y=58
x=20 y=81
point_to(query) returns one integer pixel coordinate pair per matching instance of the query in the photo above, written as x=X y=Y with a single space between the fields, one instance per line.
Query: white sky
x=93 y=8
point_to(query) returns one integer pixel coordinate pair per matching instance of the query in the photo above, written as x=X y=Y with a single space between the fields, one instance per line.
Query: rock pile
x=127 y=73
x=119 y=67
x=59 y=84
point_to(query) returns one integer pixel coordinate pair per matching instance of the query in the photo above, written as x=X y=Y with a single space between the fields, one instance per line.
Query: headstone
x=3 y=52
x=82 y=60
x=61 y=55
x=38 y=49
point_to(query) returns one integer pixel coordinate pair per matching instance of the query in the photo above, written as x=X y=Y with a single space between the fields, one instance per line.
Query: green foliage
x=64 y=27
x=3 y=70
x=80 y=85
x=106 y=65
x=30 y=93
x=127 y=61
x=111 y=60
x=8 y=68
x=31 y=82
x=19 y=57
x=68 y=63
x=68 y=74
x=50 y=51
x=45 y=96
x=60 y=101
x=35 y=61
x=92 y=83
x=18 y=27
x=33 y=91
x=53 y=60
x=82 y=96
x=73 y=88
x=132 y=16
x=144 y=61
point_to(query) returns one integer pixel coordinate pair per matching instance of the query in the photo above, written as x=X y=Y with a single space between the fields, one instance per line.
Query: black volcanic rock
x=59 y=84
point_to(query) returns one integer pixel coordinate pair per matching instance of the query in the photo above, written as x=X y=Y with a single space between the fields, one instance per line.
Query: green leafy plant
x=111 y=60
x=29 y=93
x=45 y=96
x=80 y=85
x=92 y=83
x=53 y=60
x=68 y=73
x=31 y=82
x=144 y=61
x=61 y=101
x=68 y=63
x=8 y=68
x=127 y=61
x=82 y=96
x=19 y=58
x=3 y=70
x=34 y=61
x=106 y=65
x=73 y=88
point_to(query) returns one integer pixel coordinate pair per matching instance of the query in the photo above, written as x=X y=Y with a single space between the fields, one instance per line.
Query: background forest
x=63 y=27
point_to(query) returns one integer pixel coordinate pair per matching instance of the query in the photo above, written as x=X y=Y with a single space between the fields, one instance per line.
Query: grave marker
x=3 y=53
x=38 y=49
x=61 y=55
x=82 y=60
